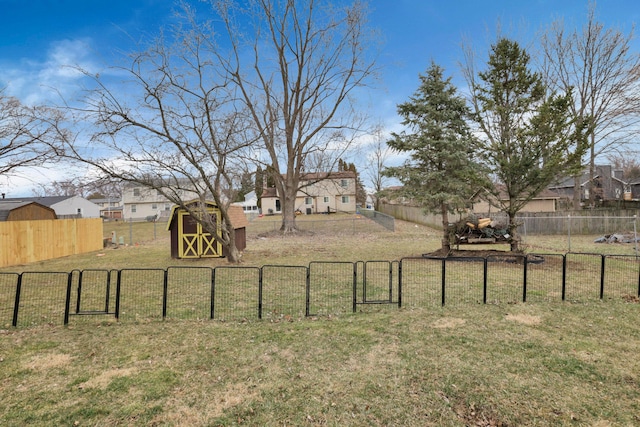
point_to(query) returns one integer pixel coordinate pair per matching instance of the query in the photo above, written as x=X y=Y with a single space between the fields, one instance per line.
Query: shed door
x=194 y=242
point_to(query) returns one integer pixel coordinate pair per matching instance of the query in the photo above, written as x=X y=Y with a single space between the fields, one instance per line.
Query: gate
x=379 y=282
x=92 y=292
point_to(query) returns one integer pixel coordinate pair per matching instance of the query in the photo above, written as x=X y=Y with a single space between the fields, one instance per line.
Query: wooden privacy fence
x=605 y=221
x=23 y=242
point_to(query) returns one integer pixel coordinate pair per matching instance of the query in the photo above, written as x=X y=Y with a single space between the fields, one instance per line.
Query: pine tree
x=527 y=133
x=441 y=173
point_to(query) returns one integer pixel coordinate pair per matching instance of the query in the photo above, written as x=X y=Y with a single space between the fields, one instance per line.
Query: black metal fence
x=320 y=289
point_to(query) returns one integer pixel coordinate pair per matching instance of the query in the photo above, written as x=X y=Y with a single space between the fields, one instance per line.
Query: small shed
x=189 y=240
x=24 y=211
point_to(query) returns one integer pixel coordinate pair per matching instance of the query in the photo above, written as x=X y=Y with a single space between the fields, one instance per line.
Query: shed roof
x=8 y=205
x=236 y=214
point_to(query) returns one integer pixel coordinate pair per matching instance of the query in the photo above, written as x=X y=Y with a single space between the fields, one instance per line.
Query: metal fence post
x=354 y=294
x=564 y=276
x=260 y=294
x=569 y=232
x=602 y=276
x=16 y=304
x=118 y=285
x=524 y=279
x=635 y=234
x=165 y=286
x=67 y=301
x=443 y=279
x=400 y=284
x=307 y=301
x=484 y=281
x=213 y=293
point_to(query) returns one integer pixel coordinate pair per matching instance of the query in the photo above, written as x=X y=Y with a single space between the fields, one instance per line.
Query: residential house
x=324 y=192
x=109 y=208
x=546 y=201
x=140 y=202
x=609 y=185
x=250 y=204
x=65 y=206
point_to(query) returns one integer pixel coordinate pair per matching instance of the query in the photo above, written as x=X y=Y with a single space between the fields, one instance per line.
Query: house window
x=308 y=200
x=134 y=209
x=136 y=192
x=167 y=207
x=345 y=199
x=158 y=193
x=154 y=206
x=344 y=183
x=326 y=199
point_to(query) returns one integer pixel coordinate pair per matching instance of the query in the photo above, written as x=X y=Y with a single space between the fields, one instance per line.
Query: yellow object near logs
x=484 y=222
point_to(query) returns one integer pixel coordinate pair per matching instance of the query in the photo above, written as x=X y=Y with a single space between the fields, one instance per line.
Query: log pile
x=472 y=230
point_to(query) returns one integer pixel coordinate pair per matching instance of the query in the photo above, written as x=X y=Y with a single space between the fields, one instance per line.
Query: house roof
x=46 y=201
x=601 y=170
x=236 y=214
x=311 y=176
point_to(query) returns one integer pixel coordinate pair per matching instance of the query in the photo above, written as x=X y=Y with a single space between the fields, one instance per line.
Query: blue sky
x=39 y=37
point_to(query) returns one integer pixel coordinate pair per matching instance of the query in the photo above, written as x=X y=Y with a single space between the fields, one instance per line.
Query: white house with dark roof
x=320 y=193
x=64 y=206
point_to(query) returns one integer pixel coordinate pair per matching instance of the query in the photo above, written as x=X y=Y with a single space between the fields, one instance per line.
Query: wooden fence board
x=22 y=242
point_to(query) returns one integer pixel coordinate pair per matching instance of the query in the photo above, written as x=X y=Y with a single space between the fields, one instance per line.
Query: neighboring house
x=109 y=208
x=65 y=206
x=24 y=211
x=547 y=201
x=140 y=202
x=250 y=205
x=609 y=185
x=320 y=193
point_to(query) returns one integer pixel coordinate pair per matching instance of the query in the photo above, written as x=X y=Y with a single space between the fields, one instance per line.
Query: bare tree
x=377 y=160
x=105 y=187
x=29 y=135
x=172 y=127
x=297 y=64
x=628 y=161
x=602 y=71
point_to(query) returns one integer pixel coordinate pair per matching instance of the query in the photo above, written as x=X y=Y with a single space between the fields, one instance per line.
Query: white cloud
x=38 y=82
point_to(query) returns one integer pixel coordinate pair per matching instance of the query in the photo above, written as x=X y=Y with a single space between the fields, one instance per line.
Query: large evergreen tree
x=526 y=131
x=441 y=172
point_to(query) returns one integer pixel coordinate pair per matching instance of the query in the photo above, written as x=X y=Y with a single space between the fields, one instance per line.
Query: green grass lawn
x=511 y=365
x=505 y=363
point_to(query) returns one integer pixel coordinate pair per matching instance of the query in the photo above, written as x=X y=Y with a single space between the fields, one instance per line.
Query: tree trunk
x=513 y=232
x=446 y=243
x=577 y=193
x=288 y=212
x=592 y=173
